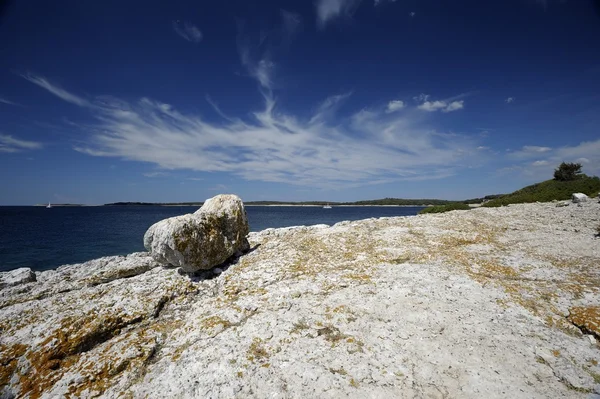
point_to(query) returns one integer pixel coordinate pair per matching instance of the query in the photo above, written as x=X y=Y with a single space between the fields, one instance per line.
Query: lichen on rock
x=201 y=240
x=494 y=302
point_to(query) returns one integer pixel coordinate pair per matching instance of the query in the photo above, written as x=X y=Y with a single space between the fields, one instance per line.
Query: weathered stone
x=201 y=240
x=443 y=305
x=579 y=197
x=16 y=277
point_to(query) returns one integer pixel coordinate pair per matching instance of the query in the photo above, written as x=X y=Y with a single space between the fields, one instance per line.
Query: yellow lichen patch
x=361 y=277
x=62 y=348
x=353 y=383
x=339 y=371
x=299 y=326
x=213 y=321
x=331 y=334
x=257 y=352
x=9 y=357
x=341 y=309
x=100 y=372
x=586 y=318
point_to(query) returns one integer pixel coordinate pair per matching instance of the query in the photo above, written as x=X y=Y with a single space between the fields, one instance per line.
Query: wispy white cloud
x=260 y=68
x=11 y=144
x=454 y=106
x=329 y=10
x=291 y=22
x=585 y=153
x=156 y=174
x=443 y=105
x=188 y=31
x=528 y=152
x=509 y=100
x=395 y=105
x=323 y=150
x=421 y=97
x=412 y=14
x=8 y=102
x=432 y=106
x=56 y=90
x=328 y=108
x=535 y=148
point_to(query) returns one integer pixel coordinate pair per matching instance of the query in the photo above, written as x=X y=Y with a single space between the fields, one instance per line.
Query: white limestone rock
x=16 y=277
x=201 y=240
x=457 y=305
x=579 y=197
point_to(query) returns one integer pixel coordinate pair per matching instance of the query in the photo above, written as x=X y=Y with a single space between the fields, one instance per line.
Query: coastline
x=345 y=310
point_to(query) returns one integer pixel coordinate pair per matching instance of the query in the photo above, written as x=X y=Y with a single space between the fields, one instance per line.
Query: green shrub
x=549 y=190
x=445 y=208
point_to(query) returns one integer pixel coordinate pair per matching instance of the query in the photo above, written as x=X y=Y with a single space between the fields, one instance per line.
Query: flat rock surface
x=491 y=302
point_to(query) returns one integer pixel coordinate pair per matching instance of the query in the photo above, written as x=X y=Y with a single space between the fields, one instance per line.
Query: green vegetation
x=550 y=190
x=567 y=171
x=480 y=200
x=445 y=208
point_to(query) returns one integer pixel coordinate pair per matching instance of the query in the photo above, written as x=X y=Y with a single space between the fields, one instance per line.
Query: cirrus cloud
x=188 y=31
x=329 y=10
x=10 y=144
x=323 y=150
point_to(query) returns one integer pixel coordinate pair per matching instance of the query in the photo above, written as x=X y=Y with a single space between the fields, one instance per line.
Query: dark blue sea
x=43 y=239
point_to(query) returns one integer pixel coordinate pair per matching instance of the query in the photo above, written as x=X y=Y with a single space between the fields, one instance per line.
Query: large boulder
x=579 y=197
x=201 y=240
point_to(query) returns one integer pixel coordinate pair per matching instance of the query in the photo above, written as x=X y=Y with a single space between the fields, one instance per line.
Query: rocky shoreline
x=495 y=302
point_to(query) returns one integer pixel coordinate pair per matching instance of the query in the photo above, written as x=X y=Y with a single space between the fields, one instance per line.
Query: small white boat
x=49 y=205
x=327 y=206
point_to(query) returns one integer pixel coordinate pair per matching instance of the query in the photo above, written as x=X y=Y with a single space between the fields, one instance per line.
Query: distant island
x=385 y=201
x=376 y=202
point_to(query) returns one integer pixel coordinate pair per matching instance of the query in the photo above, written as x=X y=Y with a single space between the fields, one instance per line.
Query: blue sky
x=334 y=100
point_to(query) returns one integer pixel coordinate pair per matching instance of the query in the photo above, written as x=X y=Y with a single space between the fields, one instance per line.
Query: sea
x=43 y=239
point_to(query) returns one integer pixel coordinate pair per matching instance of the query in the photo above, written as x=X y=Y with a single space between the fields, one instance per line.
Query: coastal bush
x=567 y=171
x=445 y=208
x=549 y=190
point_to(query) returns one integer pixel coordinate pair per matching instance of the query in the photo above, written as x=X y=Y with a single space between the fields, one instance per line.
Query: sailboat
x=327 y=206
x=49 y=205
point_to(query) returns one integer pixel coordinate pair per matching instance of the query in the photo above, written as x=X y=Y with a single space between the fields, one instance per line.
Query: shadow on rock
x=217 y=270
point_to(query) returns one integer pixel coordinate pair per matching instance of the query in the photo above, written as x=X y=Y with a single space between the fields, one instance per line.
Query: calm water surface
x=44 y=239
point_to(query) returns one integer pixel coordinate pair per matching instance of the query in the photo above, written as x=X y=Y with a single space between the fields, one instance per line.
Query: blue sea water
x=43 y=239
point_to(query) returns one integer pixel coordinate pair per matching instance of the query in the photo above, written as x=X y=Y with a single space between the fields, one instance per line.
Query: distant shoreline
x=199 y=205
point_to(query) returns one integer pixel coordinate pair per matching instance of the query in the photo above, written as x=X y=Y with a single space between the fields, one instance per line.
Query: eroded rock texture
x=498 y=302
x=201 y=240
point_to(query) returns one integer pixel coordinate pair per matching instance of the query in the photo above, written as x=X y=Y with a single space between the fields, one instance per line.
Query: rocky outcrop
x=201 y=240
x=17 y=277
x=579 y=197
x=491 y=302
